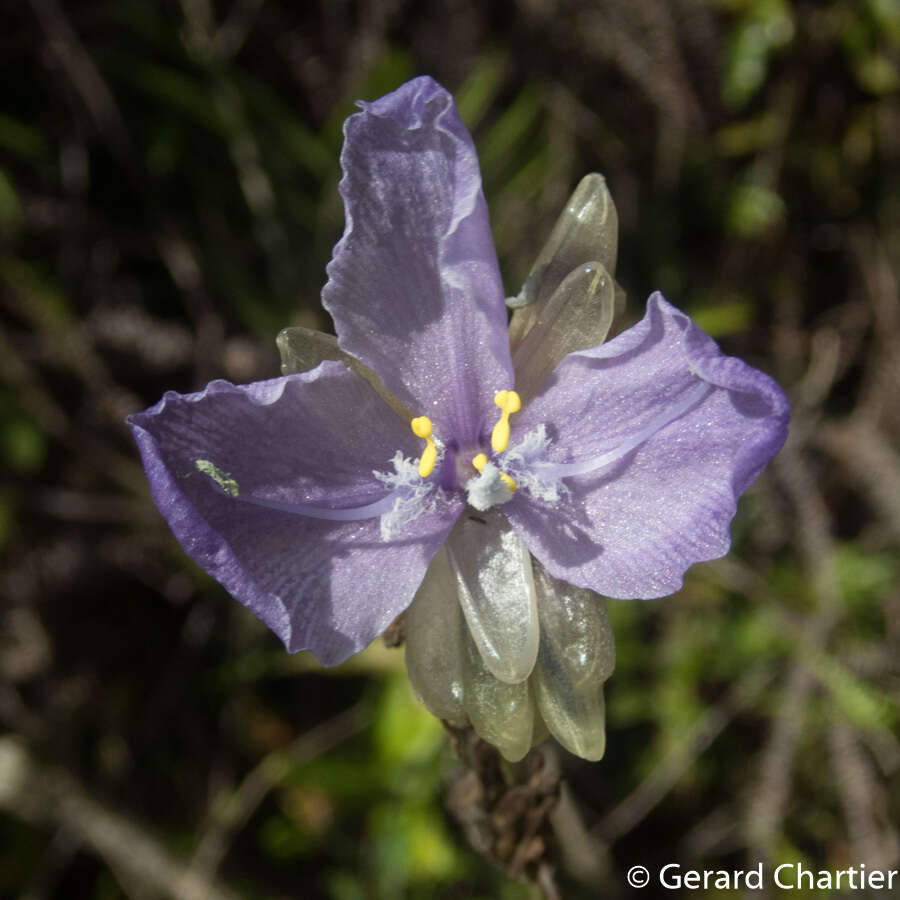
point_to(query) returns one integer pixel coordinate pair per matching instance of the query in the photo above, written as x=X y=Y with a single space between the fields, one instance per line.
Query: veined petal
x=414 y=287
x=434 y=633
x=226 y=464
x=501 y=713
x=666 y=498
x=576 y=317
x=577 y=655
x=586 y=230
x=496 y=592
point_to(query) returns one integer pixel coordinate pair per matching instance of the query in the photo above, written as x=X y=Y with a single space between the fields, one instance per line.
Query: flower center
x=480 y=462
x=412 y=492
x=476 y=474
x=464 y=467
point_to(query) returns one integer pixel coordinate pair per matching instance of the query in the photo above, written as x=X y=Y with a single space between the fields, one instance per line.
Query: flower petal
x=665 y=501
x=496 y=592
x=214 y=459
x=434 y=632
x=577 y=655
x=414 y=287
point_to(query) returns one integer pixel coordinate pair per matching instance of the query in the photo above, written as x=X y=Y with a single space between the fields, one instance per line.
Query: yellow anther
x=509 y=402
x=421 y=428
x=480 y=462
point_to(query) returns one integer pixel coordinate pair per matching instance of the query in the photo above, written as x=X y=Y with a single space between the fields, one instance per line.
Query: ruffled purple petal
x=215 y=458
x=632 y=527
x=414 y=288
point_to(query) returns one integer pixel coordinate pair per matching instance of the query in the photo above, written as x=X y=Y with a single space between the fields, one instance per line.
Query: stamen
x=480 y=462
x=509 y=402
x=421 y=428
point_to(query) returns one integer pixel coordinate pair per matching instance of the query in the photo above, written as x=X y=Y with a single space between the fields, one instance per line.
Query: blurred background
x=168 y=202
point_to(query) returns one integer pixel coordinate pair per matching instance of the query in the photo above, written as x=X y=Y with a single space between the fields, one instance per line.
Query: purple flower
x=527 y=481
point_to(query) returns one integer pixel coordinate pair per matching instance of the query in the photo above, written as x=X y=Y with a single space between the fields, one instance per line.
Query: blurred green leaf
x=506 y=136
x=24 y=446
x=886 y=14
x=878 y=74
x=349 y=776
x=7 y=518
x=10 y=209
x=107 y=887
x=184 y=93
x=280 y=839
x=258 y=312
x=863 y=576
x=165 y=148
x=765 y=26
x=530 y=180
x=477 y=94
x=862 y=703
x=46 y=305
x=307 y=149
x=154 y=30
x=724 y=318
x=404 y=730
x=412 y=845
x=754 y=210
x=749 y=135
x=344 y=885
x=22 y=139
x=518 y=192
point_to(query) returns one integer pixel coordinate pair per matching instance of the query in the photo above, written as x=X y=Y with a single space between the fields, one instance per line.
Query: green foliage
x=478 y=94
x=21 y=139
x=724 y=318
x=23 y=445
x=763 y=28
x=863 y=705
x=10 y=207
x=754 y=210
x=386 y=781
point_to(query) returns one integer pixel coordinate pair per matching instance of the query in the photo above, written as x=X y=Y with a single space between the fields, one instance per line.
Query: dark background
x=168 y=202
